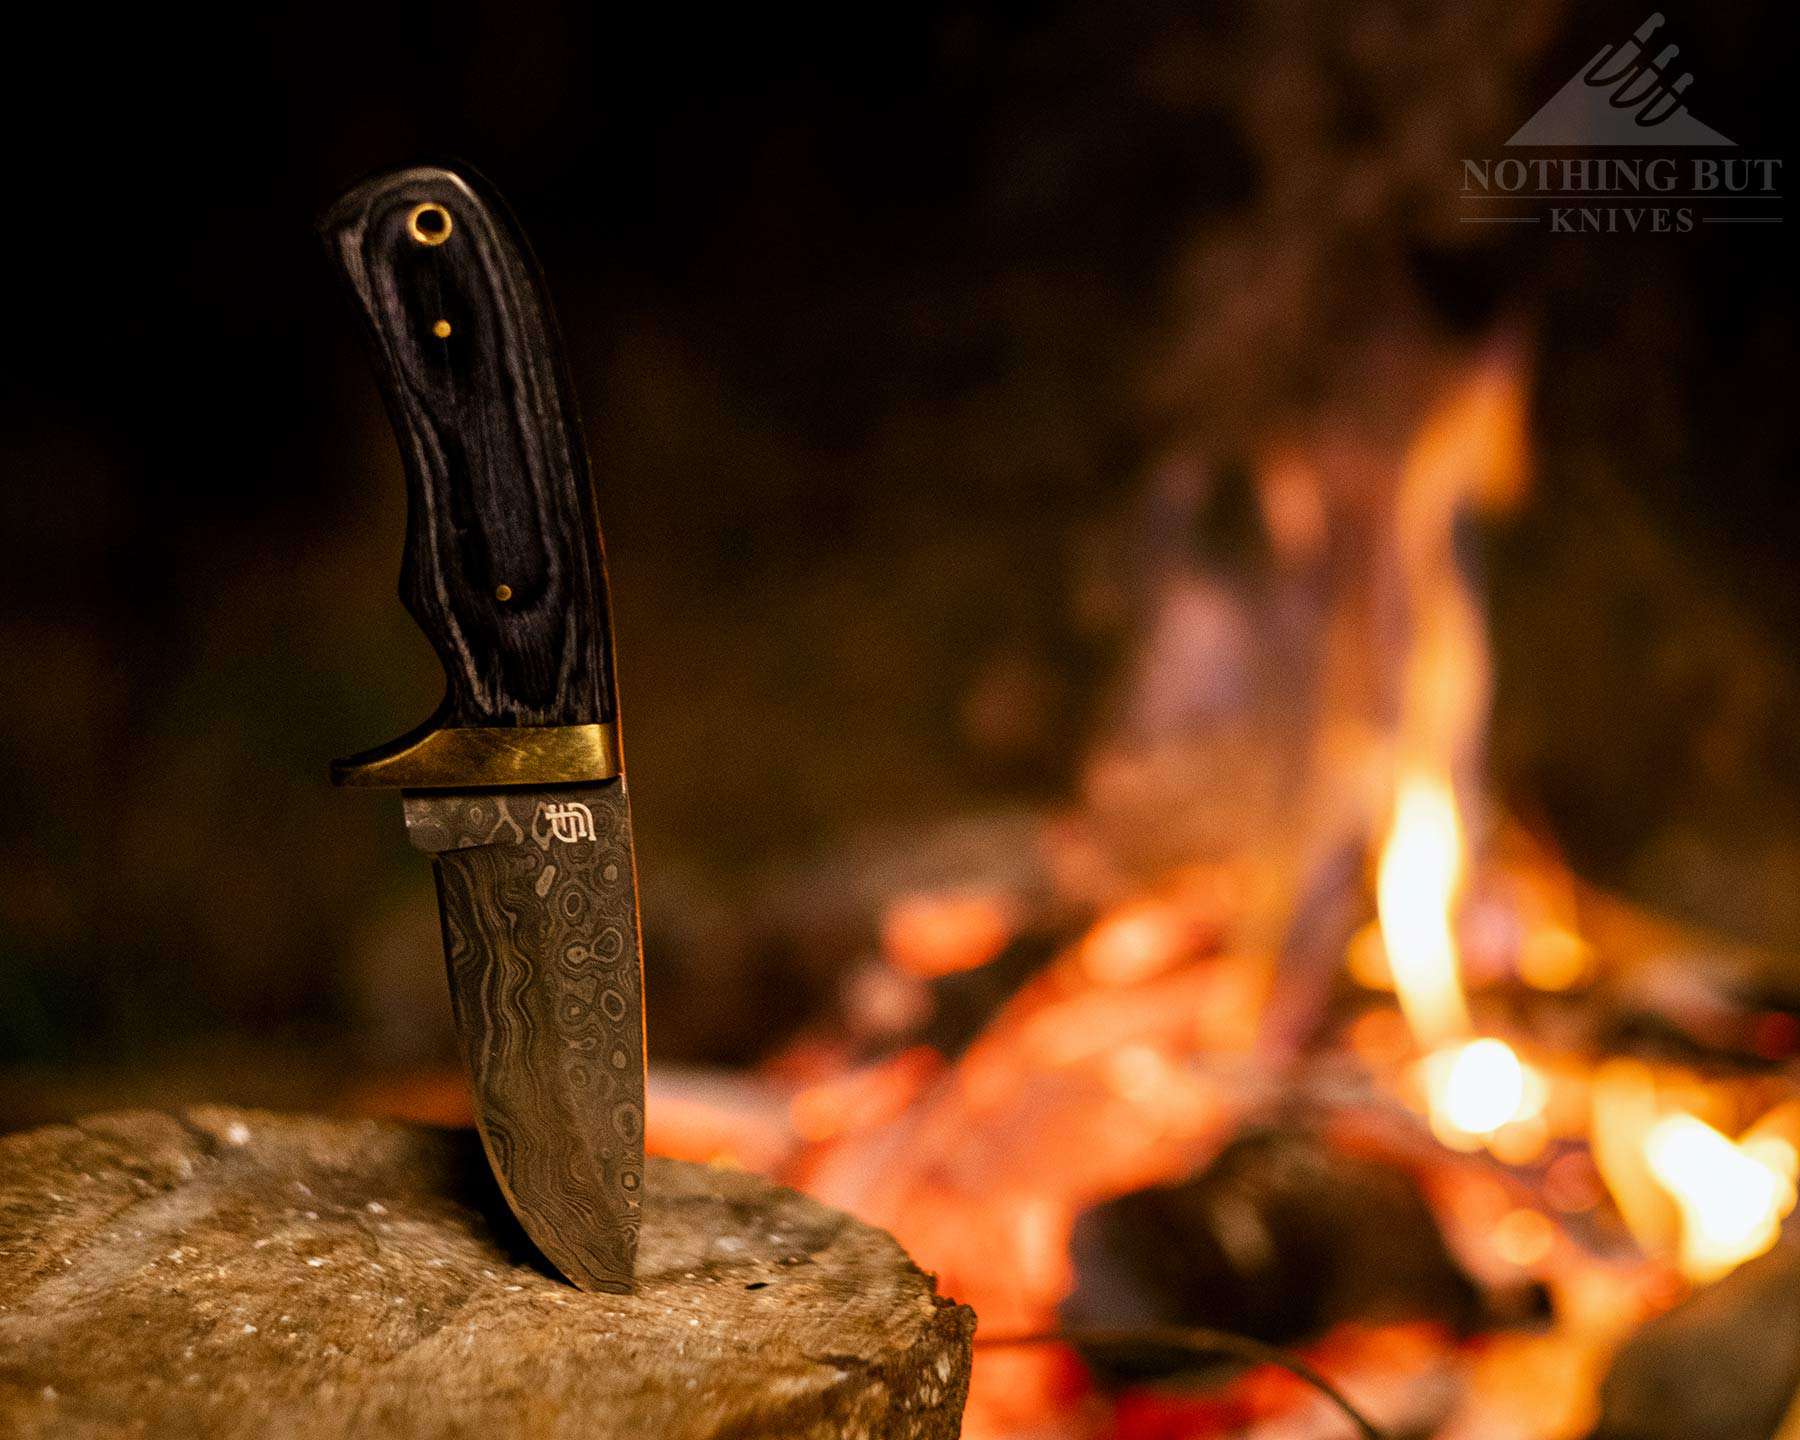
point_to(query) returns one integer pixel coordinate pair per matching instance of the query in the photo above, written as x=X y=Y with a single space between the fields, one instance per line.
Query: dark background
x=881 y=322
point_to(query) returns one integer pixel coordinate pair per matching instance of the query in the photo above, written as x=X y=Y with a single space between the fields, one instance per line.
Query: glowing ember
x=930 y=935
x=1553 y=958
x=1134 y=943
x=1524 y=1238
x=1732 y=1198
x=1477 y=1088
x=1482 y=1087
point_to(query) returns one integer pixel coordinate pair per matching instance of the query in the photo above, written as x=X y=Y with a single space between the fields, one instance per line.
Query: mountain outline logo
x=1622 y=96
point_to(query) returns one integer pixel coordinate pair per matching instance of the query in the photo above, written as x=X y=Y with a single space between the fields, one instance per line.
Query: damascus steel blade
x=537 y=893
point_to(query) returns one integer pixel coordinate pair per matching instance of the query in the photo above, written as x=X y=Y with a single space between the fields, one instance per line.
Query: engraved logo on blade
x=567 y=822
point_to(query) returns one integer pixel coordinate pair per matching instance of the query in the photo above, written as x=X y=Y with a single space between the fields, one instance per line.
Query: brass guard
x=486 y=757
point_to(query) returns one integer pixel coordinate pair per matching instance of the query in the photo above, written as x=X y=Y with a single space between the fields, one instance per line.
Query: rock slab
x=226 y=1273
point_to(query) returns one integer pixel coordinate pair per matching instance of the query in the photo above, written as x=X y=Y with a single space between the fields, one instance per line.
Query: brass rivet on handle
x=441 y=329
x=503 y=593
x=429 y=224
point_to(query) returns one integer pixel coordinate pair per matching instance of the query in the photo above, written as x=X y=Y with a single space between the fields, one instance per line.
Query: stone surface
x=225 y=1273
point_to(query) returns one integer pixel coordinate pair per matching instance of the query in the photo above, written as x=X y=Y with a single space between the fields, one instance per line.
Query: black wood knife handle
x=503 y=568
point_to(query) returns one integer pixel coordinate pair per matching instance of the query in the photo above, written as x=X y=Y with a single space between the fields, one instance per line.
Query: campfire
x=1306 y=1039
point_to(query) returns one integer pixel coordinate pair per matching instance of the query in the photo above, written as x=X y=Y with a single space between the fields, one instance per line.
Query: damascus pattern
x=537 y=892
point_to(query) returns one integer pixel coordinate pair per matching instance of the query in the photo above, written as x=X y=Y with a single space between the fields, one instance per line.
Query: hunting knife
x=515 y=786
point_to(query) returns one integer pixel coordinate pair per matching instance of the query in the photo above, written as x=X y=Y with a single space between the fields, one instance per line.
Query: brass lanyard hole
x=429 y=224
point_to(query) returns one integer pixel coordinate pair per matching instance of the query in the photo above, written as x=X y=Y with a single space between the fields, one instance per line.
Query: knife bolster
x=469 y=757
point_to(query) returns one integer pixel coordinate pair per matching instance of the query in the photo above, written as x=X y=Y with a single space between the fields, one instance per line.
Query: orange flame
x=1683 y=1186
x=1416 y=889
x=1470 y=447
x=1474 y=1088
x=1732 y=1197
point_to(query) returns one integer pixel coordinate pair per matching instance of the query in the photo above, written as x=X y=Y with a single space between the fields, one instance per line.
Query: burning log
x=1724 y=1364
x=1279 y=1239
x=223 y=1272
